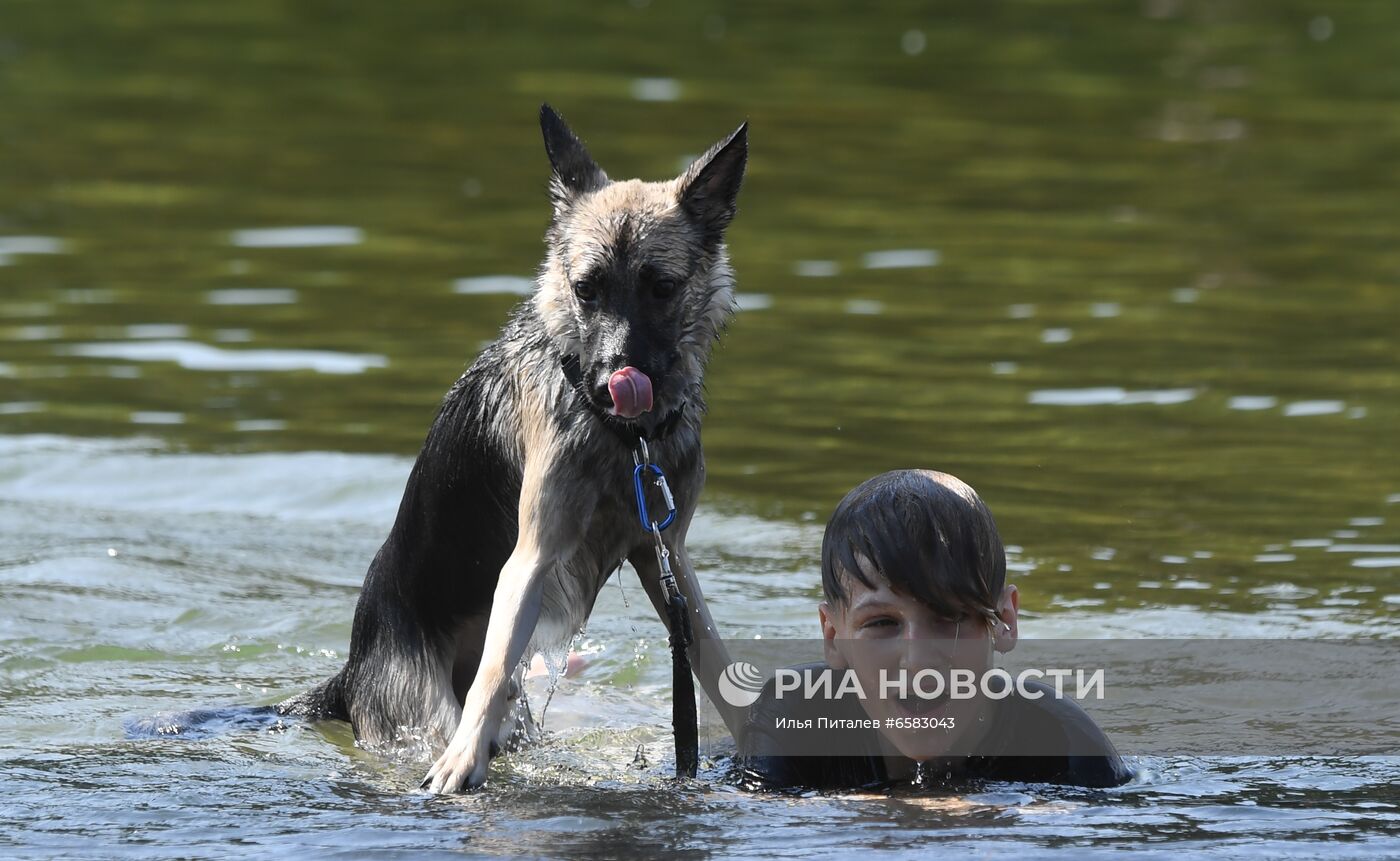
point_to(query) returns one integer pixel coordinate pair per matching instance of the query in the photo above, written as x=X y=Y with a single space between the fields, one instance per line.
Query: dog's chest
x=569 y=592
x=611 y=529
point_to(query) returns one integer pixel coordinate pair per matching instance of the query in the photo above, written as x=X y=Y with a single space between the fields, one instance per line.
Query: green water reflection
x=1191 y=202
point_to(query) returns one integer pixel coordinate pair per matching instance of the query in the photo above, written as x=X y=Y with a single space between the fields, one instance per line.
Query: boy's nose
x=921 y=652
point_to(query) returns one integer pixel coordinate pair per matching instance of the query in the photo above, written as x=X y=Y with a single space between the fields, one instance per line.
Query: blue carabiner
x=642 y=498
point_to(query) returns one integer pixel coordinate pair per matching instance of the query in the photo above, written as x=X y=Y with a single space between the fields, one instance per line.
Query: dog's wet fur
x=520 y=505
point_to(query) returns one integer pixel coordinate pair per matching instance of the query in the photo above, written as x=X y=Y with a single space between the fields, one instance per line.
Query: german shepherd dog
x=521 y=503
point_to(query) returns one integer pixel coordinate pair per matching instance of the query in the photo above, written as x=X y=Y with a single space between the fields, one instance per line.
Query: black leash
x=684 y=721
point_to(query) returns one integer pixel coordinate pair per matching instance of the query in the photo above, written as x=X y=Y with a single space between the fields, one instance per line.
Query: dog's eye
x=586 y=290
x=664 y=288
x=661 y=284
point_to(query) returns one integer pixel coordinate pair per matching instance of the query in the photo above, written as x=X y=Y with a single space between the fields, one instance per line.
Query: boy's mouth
x=917 y=706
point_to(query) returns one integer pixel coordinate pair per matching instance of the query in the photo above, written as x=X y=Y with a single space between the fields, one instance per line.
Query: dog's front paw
x=461 y=767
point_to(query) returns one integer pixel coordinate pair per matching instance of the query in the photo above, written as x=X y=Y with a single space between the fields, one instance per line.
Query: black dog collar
x=626 y=431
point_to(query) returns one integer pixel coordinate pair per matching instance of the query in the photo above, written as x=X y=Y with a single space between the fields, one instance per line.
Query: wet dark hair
x=929 y=535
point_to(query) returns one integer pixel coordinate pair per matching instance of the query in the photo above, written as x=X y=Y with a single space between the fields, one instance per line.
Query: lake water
x=1129 y=270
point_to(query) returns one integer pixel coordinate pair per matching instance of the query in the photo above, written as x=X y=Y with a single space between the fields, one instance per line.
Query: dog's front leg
x=515 y=610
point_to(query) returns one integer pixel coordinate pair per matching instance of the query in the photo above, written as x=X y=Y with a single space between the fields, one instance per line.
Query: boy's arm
x=708 y=654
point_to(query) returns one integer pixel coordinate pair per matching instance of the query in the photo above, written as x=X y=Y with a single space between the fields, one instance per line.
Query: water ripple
x=489 y=284
x=902 y=258
x=1313 y=408
x=202 y=357
x=13 y=246
x=1253 y=402
x=816 y=268
x=251 y=296
x=320 y=236
x=753 y=301
x=1110 y=395
x=656 y=89
x=865 y=307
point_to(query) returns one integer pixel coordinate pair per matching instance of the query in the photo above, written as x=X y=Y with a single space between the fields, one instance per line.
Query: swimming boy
x=914 y=579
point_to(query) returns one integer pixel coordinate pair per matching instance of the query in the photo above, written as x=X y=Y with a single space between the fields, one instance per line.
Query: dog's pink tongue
x=631 y=392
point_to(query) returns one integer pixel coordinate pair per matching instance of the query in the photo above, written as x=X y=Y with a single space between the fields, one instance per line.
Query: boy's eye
x=881 y=622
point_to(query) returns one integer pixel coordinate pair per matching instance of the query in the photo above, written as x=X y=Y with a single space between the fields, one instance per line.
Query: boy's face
x=880 y=629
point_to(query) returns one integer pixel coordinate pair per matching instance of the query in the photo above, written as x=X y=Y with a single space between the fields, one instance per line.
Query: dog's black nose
x=601 y=395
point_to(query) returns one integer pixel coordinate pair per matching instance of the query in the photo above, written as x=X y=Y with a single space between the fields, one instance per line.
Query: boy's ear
x=1004 y=638
x=709 y=188
x=830 y=648
x=574 y=170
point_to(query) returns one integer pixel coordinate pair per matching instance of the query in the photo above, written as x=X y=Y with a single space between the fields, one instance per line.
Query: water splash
x=556 y=662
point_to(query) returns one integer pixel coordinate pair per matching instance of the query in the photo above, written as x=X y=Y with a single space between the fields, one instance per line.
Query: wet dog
x=520 y=504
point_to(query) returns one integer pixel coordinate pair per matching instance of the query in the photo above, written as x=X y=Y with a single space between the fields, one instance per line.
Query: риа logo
x=740 y=684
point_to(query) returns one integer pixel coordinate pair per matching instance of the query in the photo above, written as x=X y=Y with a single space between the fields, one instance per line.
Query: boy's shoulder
x=1041 y=722
x=1041 y=737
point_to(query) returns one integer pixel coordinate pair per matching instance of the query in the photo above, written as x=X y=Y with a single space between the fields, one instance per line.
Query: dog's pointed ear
x=575 y=171
x=709 y=188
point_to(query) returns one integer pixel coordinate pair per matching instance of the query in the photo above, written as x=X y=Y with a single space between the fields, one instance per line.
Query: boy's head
x=926 y=534
x=914 y=576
